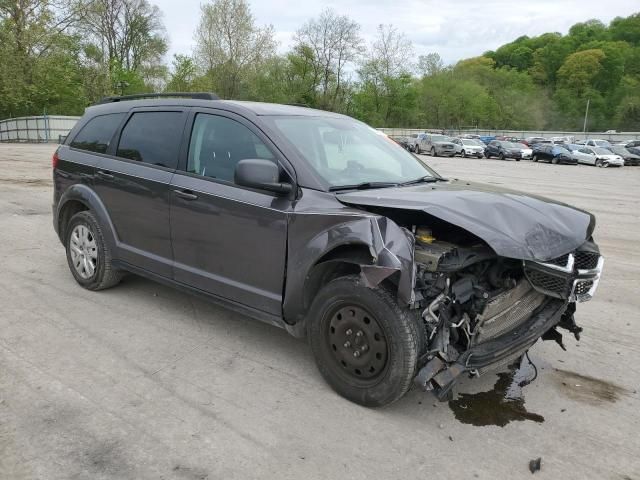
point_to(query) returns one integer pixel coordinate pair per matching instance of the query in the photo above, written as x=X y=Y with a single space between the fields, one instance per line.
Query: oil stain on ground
x=500 y=406
x=583 y=388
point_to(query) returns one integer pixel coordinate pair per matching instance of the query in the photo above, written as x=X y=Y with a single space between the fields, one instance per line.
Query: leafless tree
x=129 y=33
x=335 y=42
x=430 y=64
x=229 y=45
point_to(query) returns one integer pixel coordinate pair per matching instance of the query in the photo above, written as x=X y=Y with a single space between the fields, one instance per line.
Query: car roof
x=237 y=106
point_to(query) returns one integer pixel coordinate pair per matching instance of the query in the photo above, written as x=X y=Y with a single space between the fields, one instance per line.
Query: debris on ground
x=534 y=465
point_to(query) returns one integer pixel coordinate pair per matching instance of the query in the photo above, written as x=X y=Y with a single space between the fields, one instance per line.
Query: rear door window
x=96 y=135
x=153 y=138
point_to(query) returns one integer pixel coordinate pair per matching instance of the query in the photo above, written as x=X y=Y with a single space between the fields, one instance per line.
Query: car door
x=133 y=184
x=493 y=148
x=587 y=156
x=228 y=240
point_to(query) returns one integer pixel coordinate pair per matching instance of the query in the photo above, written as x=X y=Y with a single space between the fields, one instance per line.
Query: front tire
x=535 y=158
x=501 y=156
x=365 y=345
x=433 y=152
x=88 y=255
x=463 y=154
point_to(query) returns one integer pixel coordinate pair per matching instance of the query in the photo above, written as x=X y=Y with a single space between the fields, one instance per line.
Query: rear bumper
x=441 y=376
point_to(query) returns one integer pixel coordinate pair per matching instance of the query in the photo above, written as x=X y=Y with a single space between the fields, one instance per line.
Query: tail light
x=54 y=160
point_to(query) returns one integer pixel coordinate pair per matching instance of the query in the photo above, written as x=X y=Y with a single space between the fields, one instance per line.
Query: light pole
x=586 y=113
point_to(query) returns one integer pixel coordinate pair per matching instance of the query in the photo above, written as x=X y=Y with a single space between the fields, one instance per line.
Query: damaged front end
x=481 y=311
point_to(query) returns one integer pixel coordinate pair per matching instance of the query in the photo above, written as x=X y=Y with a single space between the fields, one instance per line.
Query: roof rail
x=138 y=96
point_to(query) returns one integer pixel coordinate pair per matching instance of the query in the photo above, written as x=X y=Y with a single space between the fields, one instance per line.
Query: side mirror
x=262 y=174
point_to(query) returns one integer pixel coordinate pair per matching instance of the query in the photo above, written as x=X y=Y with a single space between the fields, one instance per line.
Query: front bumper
x=440 y=377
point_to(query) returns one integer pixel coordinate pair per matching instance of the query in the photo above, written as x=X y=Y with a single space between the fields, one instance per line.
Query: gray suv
x=435 y=144
x=318 y=224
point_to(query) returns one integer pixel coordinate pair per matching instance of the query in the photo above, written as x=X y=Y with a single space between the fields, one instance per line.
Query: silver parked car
x=468 y=147
x=601 y=157
x=435 y=145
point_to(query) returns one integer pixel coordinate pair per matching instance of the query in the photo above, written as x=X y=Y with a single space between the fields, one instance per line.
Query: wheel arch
x=81 y=197
x=372 y=246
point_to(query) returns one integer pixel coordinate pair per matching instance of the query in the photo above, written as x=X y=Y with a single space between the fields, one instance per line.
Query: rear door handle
x=186 y=194
x=105 y=174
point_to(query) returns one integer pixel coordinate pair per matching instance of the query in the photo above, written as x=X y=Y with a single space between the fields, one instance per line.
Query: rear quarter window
x=153 y=138
x=96 y=135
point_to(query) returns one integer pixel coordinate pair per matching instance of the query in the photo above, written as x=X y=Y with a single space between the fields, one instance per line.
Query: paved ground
x=143 y=382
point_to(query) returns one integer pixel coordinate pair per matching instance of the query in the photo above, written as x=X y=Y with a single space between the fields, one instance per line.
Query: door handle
x=186 y=194
x=105 y=174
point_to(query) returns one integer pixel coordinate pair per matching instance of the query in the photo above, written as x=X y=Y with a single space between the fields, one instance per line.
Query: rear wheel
x=365 y=345
x=88 y=255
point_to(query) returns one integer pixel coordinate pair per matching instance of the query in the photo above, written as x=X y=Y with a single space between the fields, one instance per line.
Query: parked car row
x=556 y=150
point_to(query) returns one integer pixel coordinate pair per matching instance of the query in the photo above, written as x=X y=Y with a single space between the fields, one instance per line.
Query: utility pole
x=586 y=113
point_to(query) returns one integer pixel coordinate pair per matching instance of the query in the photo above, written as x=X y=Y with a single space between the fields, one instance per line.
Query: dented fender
x=318 y=238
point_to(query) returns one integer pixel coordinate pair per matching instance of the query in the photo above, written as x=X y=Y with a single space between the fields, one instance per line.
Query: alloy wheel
x=84 y=251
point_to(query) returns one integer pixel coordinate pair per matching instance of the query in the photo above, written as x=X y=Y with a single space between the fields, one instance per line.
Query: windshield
x=472 y=142
x=558 y=149
x=601 y=143
x=440 y=138
x=512 y=145
x=601 y=151
x=347 y=152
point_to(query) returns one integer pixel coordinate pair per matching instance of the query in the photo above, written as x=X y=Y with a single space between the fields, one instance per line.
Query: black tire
x=433 y=152
x=598 y=162
x=517 y=159
x=463 y=154
x=501 y=156
x=418 y=149
x=535 y=158
x=390 y=361
x=103 y=275
x=554 y=161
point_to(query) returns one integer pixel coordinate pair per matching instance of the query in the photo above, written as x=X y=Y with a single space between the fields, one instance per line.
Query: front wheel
x=554 y=161
x=535 y=158
x=365 y=345
x=463 y=154
x=433 y=152
x=598 y=163
x=501 y=156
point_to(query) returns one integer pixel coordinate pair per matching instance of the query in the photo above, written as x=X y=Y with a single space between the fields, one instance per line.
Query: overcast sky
x=455 y=29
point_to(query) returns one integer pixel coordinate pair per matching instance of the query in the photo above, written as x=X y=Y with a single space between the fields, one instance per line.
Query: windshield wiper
x=425 y=179
x=363 y=186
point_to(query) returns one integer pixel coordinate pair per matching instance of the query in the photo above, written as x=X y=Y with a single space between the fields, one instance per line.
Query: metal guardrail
x=37 y=129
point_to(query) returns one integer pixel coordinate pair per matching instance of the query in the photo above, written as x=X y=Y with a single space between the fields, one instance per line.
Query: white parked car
x=597 y=142
x=468 y=147
x=600 y=157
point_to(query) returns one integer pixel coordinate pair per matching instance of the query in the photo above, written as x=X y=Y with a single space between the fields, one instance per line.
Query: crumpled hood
x=514 y=224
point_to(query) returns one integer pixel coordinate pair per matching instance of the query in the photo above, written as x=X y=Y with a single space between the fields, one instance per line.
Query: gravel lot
x=144 y=382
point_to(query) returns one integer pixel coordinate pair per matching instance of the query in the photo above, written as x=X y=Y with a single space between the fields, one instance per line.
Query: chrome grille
x=507 y=311
x=552 y=284
x=586 y=260
x=560 y=261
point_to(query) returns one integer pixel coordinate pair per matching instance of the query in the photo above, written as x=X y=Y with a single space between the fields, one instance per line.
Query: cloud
x=456 y=29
